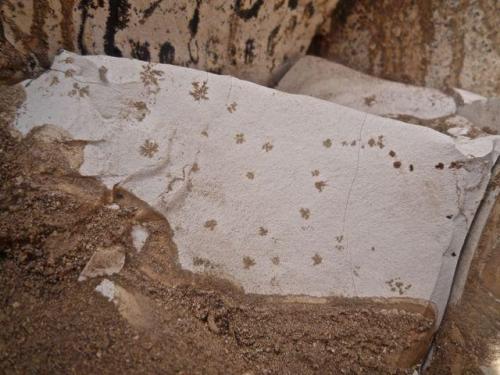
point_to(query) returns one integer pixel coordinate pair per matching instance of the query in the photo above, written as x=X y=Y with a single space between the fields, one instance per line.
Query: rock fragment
x=139 y=237
x=105 y=261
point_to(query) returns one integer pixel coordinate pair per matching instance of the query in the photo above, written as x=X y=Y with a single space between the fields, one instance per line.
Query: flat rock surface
x=280 y=194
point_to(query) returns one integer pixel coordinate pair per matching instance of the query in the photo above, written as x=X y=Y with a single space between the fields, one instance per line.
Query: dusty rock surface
x=440 y=44
x=251 y=39
x=164 y=320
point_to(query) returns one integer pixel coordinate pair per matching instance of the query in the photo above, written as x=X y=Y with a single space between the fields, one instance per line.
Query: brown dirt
x=166 y=320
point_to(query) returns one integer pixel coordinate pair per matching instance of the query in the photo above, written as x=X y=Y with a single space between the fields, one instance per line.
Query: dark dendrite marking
x=210 y=224
x=199 y=91
x=305 y=213
x=267 y=146
x=248 y=262
x=320 y=185
x=240 y=138
x=317 y=259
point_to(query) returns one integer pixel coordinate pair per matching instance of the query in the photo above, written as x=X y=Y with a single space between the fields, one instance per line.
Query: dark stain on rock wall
x=167 y=53
x=193 y=50
x=343 y=10
x=140 y=50
x=195 y=20
x=84 y=6
x=248 y=13
x=117 y=20
x=309 y=10
x=249 y=51
x=41 y=45
x=148 y=12
x=272 y=40
x=67 y=25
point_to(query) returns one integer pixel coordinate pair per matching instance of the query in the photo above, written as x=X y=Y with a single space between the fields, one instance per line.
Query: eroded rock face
x=255 y=40
x=433 y=43
x=281 y=194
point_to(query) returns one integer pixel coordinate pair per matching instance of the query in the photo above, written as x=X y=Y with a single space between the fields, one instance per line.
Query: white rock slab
x=282 y=194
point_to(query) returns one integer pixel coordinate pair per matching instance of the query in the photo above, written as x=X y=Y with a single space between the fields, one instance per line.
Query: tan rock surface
x=253 y=39
x=433 y=43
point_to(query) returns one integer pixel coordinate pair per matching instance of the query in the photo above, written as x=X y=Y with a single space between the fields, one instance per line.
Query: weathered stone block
x=279 y=193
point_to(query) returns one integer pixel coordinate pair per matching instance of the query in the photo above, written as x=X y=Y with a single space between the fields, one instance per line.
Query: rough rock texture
x=280 y=194
x=251 y=39
x=433 y=43
x=456 y=112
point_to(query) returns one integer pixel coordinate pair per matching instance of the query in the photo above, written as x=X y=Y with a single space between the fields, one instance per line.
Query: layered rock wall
x=250 y=39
